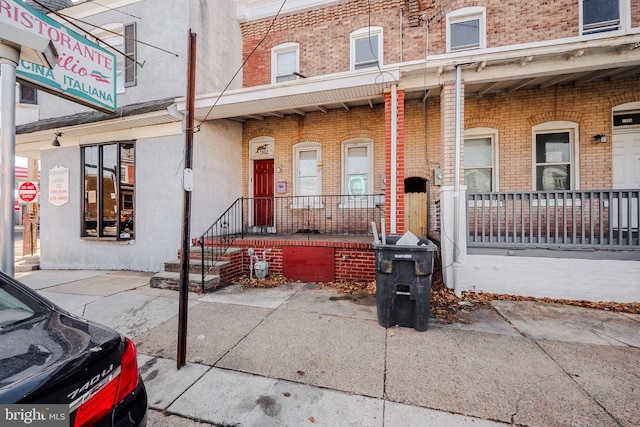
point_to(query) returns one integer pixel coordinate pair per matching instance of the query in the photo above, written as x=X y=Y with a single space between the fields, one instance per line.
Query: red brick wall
x=323 y=34
x=353 y=260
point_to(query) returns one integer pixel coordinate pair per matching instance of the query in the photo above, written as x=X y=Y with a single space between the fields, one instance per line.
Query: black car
x=49 y=356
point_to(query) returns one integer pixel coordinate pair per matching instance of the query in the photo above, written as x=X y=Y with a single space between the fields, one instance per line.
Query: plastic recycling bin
x=403 y=283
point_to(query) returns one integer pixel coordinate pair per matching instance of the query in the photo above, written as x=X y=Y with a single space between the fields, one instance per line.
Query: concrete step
x=195 y=266
x=171 y=280
x=195 y=252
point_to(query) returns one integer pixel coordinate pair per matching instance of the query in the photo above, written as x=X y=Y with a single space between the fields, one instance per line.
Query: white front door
x=626 y=174
x=626 y=160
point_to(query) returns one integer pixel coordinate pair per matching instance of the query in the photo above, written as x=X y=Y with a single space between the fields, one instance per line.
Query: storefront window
x=108 y=180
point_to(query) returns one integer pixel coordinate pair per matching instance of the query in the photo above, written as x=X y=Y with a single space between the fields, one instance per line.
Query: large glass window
x=478 y=164
x=366 y=48
x=284 y=62
x=600 y=16
x=357 y=168
x=108 y=187
x=466 y=29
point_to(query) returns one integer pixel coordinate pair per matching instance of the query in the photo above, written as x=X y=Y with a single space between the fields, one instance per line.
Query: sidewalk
x=305 y=355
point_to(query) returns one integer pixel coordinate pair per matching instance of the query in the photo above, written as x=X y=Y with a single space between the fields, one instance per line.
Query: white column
x=9 y=57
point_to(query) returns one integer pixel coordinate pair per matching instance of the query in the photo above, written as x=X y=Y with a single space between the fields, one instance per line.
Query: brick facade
x=323 y=34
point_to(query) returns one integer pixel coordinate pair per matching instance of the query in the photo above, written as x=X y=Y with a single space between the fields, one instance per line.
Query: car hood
x=51 y=358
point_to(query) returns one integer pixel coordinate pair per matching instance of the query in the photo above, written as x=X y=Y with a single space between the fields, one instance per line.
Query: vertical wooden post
x=186 y=218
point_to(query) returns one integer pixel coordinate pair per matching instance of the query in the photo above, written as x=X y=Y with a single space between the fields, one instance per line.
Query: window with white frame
x=599 y=16
x=357 y=168
x=555 y=153
x=285 y=62
x=308 y=176
x=122 y=38
x=366 y=48
x=466 y=29
x=480 y=160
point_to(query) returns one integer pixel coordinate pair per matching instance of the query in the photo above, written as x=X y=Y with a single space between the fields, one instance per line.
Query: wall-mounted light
x=55 y=141
x=600 y=139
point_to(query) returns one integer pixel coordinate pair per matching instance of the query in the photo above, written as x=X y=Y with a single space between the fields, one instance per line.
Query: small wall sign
x=281 y=187
x=59 y=185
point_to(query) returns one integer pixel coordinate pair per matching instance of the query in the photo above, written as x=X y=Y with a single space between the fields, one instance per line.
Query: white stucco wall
x=560 y=278
x=217 y=167
x=158 y=201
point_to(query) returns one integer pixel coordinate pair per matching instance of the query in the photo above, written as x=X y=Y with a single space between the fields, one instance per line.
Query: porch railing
x=604 y=219
x=327 y=215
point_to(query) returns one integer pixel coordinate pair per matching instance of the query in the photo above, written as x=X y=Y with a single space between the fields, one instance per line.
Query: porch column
x=452 y=193
x=394 y=160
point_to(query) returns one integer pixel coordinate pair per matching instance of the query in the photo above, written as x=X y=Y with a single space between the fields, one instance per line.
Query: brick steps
x=222 y=274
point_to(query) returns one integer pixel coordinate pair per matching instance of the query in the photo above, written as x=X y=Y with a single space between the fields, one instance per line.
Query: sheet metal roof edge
x=94 y=116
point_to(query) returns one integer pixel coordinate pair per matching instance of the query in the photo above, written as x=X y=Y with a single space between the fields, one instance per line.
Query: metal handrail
x=343 y=215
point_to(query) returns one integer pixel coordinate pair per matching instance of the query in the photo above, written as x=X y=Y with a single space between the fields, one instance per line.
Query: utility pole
x=186 y=215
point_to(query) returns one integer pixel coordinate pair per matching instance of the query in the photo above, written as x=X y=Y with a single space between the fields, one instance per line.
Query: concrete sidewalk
x=305 y=355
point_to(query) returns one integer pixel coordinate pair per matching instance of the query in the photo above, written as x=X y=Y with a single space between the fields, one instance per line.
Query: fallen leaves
x=446 y=307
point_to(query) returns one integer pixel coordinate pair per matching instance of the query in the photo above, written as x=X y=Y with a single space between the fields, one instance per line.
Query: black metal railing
x=219 y=237
x=604 y=219
x=328 y=215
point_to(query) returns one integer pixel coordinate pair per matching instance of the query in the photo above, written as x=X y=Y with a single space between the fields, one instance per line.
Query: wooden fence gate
x=415 y=213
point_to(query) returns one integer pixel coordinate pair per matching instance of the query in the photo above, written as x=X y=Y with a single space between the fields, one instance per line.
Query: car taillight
x=105 y=396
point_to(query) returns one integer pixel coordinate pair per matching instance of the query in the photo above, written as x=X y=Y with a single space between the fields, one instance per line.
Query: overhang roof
x=573 y=61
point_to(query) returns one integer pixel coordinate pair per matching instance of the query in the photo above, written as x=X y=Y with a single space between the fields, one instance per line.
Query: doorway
x=263 y=185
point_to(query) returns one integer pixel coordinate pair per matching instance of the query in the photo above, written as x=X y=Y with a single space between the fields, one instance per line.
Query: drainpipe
x=456 y=185
x=394 y=166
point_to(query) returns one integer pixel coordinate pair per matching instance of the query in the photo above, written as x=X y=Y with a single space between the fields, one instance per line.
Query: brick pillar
x=394 y=199
x=448 y=134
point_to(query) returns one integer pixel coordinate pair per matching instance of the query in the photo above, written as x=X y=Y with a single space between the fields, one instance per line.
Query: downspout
x=394 y=166
x=456 y=185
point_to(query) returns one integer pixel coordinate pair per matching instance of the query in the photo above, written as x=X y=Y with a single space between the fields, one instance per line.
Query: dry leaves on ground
x=446 y=307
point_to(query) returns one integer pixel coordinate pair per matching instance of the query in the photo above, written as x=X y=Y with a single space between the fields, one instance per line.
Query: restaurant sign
x=85 y=72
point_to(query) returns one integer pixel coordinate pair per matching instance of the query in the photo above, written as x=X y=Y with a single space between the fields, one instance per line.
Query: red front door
x=263 y=193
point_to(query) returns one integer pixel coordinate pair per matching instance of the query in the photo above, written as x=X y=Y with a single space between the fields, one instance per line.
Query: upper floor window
x=28 y=95
x=122 y=38
x=357 y=168
x=108 y=185
x=600 y=16
x=284 y=62
x=466 y=29
x=480 y=160
x=555 y=153
x=366 y=48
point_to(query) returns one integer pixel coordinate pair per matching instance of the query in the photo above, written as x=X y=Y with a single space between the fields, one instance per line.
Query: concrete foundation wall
x=561 y=278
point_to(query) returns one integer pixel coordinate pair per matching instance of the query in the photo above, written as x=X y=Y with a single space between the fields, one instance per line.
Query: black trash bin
x=403 y=283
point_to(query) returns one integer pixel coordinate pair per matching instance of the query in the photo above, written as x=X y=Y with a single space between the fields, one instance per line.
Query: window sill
x=108 y=240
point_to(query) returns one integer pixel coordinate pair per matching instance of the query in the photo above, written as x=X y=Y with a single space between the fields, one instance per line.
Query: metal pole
x=186 y=218
x=9 y=57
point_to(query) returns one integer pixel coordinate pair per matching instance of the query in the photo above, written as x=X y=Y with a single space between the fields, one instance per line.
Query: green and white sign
x=85 y=72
